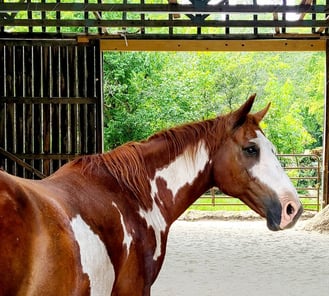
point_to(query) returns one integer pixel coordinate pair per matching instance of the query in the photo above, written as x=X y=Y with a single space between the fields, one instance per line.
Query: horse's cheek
x=222 y=172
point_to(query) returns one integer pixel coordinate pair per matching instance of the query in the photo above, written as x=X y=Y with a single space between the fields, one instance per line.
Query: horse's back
x=37 y=252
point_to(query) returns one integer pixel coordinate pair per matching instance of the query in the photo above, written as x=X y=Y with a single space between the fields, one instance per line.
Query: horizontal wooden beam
x=212 y=45
x=48 y=100
x=48 y=156
x=21 y=162
x=194 y=21
x=200 y=7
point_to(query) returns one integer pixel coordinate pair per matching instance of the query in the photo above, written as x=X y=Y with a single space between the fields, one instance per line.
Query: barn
x=51 y=94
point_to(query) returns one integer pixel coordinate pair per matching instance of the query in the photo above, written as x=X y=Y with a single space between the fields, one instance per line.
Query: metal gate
x=50 y=104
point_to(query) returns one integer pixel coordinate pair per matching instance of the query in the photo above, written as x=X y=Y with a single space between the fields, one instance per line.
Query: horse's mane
x=126 y=163
x=178 y=138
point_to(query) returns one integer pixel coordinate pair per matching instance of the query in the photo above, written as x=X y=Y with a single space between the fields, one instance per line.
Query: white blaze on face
x=127 y=238
x=269 y=171
x=94 y=258
x=180 y=172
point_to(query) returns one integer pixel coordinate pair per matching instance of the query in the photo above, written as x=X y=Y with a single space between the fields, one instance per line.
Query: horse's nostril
x=290 y=209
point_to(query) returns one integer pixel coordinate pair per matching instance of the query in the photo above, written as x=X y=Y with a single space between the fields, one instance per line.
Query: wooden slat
x=49 y=156
x=21 y=163
x=48 y=100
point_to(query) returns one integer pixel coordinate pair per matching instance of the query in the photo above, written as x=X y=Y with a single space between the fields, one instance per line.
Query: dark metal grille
x=50 y=105
x=186 y=19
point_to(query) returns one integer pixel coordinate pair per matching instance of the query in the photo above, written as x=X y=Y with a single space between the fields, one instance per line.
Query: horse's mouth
x=273 y=218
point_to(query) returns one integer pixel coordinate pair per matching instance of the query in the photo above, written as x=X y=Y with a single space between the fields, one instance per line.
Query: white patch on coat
x=182 y=170
x=156 y=221
x=269 y=170
x=95 y=260
x=127 y=238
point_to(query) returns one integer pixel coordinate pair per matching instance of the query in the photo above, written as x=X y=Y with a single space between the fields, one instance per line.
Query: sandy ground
x=243 y=258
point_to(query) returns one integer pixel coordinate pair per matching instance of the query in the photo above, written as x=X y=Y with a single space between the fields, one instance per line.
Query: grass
x=219 y=203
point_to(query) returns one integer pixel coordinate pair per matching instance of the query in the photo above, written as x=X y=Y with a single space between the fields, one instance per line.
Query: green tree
x=146 y=92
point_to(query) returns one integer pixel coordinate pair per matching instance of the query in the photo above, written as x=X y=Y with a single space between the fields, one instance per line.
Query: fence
x=304 y=170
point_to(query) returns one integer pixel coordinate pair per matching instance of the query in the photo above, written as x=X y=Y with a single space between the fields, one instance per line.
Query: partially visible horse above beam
x=99 y=225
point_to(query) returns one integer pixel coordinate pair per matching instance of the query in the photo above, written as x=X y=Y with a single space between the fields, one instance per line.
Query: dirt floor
x=234 y=257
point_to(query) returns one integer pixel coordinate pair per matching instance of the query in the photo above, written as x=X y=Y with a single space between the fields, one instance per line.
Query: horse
x=99 y=224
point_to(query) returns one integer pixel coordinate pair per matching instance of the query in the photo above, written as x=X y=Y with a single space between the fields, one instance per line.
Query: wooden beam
x=195 y=21
x=22 y=163
x=172 y=7
x=211 y=45
x=49 y=100
x=325 y=165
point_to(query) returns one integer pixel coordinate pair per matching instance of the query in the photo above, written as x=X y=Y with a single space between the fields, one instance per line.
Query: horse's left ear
x=240 y=115
x=260 y=114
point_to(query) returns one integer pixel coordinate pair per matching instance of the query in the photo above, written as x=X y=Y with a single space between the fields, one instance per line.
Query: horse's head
x=246 y=167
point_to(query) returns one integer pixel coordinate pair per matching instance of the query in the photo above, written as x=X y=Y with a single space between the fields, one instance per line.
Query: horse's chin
x=273 y=226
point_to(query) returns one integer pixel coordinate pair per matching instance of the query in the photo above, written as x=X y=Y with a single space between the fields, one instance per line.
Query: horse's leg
x=129 y=289
x=126 y=285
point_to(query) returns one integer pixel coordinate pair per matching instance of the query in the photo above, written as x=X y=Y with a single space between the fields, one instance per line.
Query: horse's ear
x=240 y=115
x=260 y=114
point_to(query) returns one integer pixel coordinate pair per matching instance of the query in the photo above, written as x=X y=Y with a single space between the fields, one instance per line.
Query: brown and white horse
x=99 y=225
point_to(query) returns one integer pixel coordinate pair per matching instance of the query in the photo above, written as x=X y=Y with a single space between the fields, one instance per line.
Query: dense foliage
x=145 y=92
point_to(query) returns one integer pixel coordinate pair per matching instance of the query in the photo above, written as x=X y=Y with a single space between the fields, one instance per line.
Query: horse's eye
x=251 y=150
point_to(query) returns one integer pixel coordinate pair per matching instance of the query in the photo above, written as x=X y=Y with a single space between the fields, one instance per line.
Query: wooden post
x=326 y=133
x=100 y=99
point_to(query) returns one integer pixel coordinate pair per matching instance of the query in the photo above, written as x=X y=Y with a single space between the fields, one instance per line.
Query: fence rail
x=304 y=170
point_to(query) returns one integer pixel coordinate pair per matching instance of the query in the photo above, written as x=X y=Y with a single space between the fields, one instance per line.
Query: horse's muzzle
x=291 y=211
x=282 y=213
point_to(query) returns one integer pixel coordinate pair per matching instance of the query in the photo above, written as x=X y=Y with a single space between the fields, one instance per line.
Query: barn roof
x=181 y=22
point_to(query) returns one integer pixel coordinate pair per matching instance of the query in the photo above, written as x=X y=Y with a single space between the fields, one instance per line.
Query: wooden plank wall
x=50 y=103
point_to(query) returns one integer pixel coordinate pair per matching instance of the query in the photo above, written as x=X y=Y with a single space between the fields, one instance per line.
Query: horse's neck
x=181 y=179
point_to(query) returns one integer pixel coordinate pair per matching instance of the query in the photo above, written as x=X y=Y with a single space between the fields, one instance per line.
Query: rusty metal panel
x=50 y=104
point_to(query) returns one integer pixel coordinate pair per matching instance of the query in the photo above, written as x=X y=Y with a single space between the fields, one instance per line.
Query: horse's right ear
x=240 y=115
